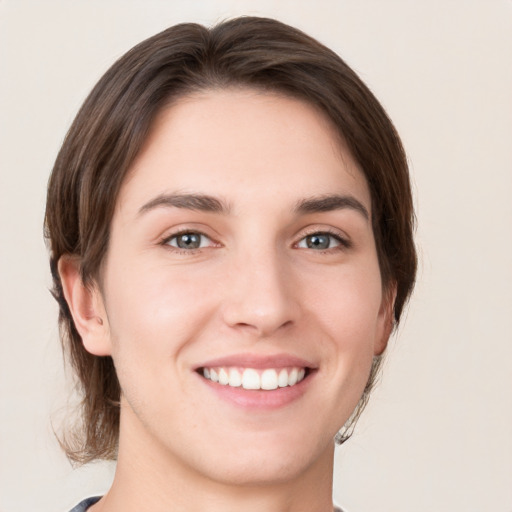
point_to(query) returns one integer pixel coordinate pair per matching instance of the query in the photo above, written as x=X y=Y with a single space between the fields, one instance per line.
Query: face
x=241 y=295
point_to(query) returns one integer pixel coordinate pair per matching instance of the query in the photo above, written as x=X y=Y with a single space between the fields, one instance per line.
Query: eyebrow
x=331 y=202
x=199 y=202
x=207 y=203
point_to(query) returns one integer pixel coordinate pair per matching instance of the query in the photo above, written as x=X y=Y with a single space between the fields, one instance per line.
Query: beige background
x=437 y=436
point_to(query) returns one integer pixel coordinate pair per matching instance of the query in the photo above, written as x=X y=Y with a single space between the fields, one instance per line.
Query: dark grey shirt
x=84 y=505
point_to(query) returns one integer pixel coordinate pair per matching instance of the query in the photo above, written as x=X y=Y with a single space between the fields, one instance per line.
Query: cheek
x=349 y=313
x=156 y=310
x=349 y=305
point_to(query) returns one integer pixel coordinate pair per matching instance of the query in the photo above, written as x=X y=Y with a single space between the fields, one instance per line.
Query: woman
x=230 y=222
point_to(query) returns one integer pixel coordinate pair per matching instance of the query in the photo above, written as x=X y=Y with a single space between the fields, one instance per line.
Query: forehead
x=243 y=144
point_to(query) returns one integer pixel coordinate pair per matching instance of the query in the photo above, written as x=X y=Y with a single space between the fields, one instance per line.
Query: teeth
x=223 y=377
x=282 y=380
x=292 y=377
x=249 y=378
x=235 y=379
x=269 y=379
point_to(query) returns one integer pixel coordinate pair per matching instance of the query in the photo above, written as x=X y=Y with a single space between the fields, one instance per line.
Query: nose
x=261 y=294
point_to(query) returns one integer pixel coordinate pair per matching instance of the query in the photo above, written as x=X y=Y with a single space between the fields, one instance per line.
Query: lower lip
x=259 y=399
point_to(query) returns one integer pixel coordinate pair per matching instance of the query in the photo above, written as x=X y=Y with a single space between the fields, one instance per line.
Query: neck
x=148 y=477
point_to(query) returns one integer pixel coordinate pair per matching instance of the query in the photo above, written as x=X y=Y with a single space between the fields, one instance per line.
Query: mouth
x=257 y=381
x=267 y=379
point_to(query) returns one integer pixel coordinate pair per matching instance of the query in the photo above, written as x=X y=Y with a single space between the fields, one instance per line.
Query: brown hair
x=114 y=121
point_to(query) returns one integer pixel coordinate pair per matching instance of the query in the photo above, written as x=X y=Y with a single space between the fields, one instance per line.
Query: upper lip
x=257 y=361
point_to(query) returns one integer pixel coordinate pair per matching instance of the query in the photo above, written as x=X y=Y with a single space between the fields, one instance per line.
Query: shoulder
x=85 y=504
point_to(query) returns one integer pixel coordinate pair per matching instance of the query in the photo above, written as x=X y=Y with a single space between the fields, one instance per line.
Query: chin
x=263 y=459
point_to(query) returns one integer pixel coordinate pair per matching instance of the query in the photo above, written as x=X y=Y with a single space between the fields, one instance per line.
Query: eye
x=321 y=241
x=189 y=240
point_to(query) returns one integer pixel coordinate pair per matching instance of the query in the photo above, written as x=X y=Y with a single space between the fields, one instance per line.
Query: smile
x=250 y=378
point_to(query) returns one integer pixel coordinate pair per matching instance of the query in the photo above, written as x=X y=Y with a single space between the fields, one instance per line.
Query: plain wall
x=437 y=435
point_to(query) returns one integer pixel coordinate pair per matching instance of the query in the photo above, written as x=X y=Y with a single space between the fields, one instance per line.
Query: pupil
x=189 y=241
x=318 y=242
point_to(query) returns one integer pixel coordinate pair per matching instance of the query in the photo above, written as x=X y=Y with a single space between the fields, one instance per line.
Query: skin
x=253 y=287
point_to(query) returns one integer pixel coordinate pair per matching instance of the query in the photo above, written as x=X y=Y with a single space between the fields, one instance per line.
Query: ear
x=386 y=319
x=86 y=305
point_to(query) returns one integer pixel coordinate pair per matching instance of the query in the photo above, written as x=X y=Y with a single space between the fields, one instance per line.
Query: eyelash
x=343 y=242
x=166 y=241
